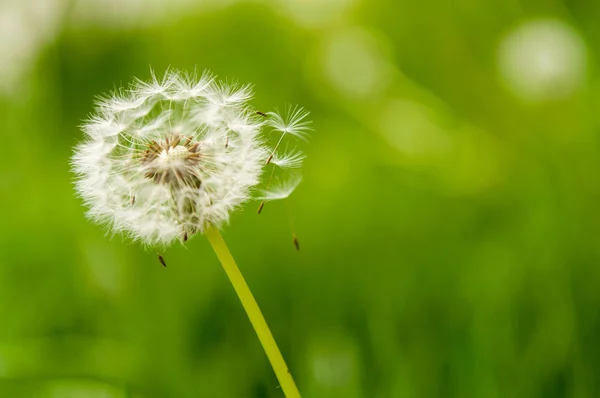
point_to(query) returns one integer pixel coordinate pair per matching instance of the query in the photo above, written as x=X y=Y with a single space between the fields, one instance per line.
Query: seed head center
x=174 y=161
x=173 y=154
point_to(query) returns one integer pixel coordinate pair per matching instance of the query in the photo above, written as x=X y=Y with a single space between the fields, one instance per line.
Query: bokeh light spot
x=354 y=63
x=462 y=158
x=313 y=13
x=543 y=59
x=79 y=388
x=334 y=365
x=25 y=27
x=412 y=129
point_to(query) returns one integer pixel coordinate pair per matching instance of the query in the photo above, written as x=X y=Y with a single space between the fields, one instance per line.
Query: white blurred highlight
x=74 y=388
x=354 y=63
x=542 y=60
x=333 y=370
x=26 y=27
x=334 y=364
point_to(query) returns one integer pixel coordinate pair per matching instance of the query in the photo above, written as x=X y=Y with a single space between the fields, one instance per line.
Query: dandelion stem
x=256 y=318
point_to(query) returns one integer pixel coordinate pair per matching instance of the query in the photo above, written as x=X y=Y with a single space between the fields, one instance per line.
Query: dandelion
x=165 y=159
x=173 y=157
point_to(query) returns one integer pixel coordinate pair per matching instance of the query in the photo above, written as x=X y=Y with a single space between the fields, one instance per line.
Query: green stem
x=256 y=318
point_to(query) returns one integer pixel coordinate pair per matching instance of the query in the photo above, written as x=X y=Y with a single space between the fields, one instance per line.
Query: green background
x=449 y=227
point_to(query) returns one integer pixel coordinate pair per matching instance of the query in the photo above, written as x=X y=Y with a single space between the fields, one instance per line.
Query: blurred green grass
x=461 y=262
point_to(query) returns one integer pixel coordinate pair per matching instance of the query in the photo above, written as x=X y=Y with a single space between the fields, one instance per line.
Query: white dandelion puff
x=165 y=159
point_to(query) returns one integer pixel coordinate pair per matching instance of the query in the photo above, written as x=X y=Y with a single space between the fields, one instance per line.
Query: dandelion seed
x=260 y=207
x=289 y=160
x=292 y=122
x=166 y=159
x=280 y=189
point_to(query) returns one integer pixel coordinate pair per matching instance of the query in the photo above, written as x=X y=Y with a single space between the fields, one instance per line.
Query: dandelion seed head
x=164 y=159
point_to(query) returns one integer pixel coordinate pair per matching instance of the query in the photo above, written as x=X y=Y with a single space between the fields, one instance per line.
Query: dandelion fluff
x=167 y=158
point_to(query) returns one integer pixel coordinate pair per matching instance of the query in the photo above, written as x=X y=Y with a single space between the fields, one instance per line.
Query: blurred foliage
x=448 y=225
